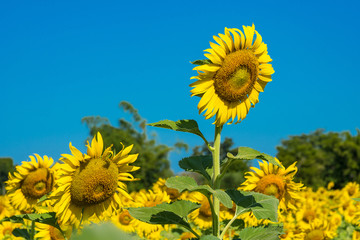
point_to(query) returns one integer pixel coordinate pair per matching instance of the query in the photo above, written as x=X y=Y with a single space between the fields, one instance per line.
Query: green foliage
x=264 y=233
x=189 y=126
x=199 y=164
x=153 y=157
x=182 y=183
x=262 y=206
x=6 y=167
x=201 y=62
x=45 y=218
x=103 y=231
x=165 y=213
x=323 y=157
x=234 y=175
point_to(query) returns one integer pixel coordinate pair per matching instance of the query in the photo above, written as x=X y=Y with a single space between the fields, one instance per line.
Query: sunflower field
x=84 y=195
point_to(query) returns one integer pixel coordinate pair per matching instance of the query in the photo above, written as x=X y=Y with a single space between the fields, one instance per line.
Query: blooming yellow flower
x=238 y=70
x=47 y=232
x=31 y=181
x=89 y=185
x=273 y=180
x=6 y=229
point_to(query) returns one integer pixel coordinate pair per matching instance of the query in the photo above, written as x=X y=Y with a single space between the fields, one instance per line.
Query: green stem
x=216 y=184
x=32 y=231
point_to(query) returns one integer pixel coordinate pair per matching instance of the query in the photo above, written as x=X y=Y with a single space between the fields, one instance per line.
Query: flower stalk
x=216 y=184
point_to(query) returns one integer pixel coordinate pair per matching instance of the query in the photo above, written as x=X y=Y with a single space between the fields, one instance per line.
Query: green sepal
x=182 y=183
x=262 y=206
x=264 y=233
x=199 y=164
x=45 y=218
x=246 y=153
x=165 y=213
x=186 y=125
x=201 y=62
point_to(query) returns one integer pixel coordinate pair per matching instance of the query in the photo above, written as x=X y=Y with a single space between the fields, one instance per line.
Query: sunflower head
x=92 y=183
x=31 y=181
x=236 y=71
x=276 y=181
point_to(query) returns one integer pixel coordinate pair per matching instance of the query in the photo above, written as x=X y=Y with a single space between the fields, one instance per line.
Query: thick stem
x=216 y=184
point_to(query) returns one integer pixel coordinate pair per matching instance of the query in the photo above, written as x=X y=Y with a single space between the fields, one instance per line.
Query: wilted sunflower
x=90 y=185
x=273 y=180
x=237 y=70
x=31 y=181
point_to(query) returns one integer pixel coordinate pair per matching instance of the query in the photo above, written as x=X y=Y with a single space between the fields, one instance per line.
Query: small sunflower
x=238 y=70
x=47 y=232
x=90 y=185
x=273 y=180
x=6 y=229
x=31 y=181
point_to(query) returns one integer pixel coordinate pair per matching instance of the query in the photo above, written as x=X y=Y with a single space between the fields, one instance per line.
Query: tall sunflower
x=90 y=185
x=237 y=70
x=273 y=180
x=31 y=181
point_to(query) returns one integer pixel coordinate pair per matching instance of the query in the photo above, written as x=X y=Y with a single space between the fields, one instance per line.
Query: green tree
x=235 y=174
x=153 y=157
x=323 y=157
x=6 y=166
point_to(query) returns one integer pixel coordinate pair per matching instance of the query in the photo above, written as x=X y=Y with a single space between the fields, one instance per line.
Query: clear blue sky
x=63 y=60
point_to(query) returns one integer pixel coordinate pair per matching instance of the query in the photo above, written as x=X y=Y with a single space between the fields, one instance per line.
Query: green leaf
x=23 y=233
x=263 y=233
x=165 y=213
x=356 y=199
x=45 y=218
x=187 y=125
x=201 y=62
x=182 y=183
x=198 y=164
x=262 y=206
x=246 y=153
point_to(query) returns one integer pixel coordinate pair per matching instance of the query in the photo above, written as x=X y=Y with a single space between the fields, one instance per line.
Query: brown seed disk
x=94 y=182
x=125 y=217
x=271 y=185
x=235 y=79
x=37 y=183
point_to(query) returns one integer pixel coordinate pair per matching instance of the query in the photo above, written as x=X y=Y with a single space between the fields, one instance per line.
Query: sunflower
x=6 y=209
x=47 y=232
x=237 y=70
x=6 y=229
x=276 y=181
x=89 y=185
x=149 y=199
x=30 y=182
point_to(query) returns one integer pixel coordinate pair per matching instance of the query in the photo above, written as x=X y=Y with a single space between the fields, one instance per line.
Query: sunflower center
x=55 y=234
x=271 y=185
x=94 y=182
x=37 y=183
x=125 y=218
x=205 y=209
x=173 y=193
x=235 y=79
x=309 y=215
x=315 y=235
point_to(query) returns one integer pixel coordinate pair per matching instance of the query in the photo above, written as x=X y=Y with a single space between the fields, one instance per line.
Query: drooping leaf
x=165 y=213
x=187 y=125
x=246 y=153
x=263 y=233
x=45 y=218
x=182 y=183
x=199 y=164
x=19 y=232
x=201 y=62
x=262 y=206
